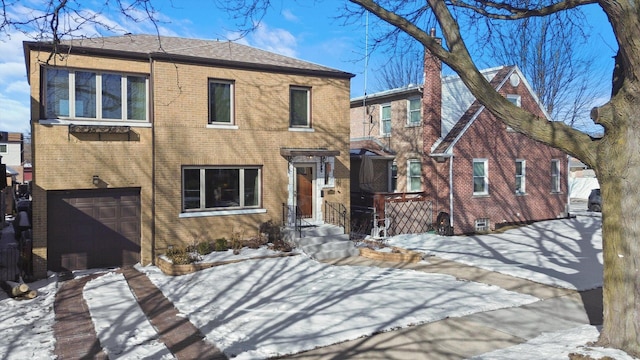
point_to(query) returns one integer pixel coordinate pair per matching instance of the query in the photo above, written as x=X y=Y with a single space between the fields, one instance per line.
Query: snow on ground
x=122 y=328
x=565 y=253
x=262 y=308
x=557 y=346
x=259 y=308
x=26 y=326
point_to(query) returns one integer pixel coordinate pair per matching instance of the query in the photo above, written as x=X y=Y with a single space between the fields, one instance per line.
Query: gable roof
x=211 y=52
x=497 y=78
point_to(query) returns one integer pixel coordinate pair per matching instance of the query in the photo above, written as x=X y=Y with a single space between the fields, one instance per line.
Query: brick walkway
x=74 y=332
x=180 y=336
x=76 y=337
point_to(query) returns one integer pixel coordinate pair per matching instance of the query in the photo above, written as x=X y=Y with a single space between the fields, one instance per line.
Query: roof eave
x=185 y=59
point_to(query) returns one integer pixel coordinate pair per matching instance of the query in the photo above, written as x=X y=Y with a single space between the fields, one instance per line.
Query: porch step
x=323 y=242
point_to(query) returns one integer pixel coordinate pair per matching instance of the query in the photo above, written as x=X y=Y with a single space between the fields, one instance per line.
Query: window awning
x=291 y=152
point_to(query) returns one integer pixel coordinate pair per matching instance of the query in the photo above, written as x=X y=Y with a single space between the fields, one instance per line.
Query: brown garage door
x=93 y=228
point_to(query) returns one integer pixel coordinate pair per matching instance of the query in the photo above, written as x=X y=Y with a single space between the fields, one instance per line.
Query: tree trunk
x=618 y=171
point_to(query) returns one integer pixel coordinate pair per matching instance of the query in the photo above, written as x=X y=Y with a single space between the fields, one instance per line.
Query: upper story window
x=414 y=112
x=480 y=177
x=521 y=169
x=3 y=148
x=414 y=175
x=515 y=99
x=299 y=107
x=385 y=120
x=221 y=102
x=555 y=175
x=95 y=96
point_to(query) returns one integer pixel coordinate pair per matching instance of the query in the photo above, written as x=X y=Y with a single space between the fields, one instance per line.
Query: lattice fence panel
x=412 y=216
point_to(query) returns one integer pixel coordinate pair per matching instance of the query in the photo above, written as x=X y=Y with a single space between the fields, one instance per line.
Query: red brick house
x=440 y=142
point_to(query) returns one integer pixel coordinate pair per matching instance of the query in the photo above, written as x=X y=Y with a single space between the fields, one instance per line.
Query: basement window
x=482 y=225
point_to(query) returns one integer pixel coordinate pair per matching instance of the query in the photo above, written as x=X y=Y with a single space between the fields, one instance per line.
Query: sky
x=277 y=306
x=308 y=30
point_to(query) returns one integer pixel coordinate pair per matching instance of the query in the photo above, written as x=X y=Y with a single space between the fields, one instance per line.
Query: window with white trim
x=221 y=102
x=3 y=148
x=220 y=188
x=91 y=95
x=393 y=176
x=299 y=107
x=521 y=170
x=555 y=175
x=482 y=225
x=385 y=120
x=414 y=111
x=414 y=175
x=515 y=99
x=480 y=177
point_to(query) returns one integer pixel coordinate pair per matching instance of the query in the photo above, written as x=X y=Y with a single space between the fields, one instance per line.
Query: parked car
x=595 y=201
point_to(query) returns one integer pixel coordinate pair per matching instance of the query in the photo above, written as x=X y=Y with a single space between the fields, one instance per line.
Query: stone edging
x=176 y=270
x=398 y=255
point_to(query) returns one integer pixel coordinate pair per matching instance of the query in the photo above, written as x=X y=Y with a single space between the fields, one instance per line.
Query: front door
x=304 y=191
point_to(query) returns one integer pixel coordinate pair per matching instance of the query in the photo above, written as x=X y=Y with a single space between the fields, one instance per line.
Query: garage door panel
x=87 y=229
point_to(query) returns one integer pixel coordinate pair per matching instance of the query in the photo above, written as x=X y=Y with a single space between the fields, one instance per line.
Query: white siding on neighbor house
x=12 y=155
x=456 y=98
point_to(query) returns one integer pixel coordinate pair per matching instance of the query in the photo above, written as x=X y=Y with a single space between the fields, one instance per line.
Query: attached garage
x=93 y=228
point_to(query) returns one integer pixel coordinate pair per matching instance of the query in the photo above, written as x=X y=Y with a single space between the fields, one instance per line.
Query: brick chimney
x=432 y=97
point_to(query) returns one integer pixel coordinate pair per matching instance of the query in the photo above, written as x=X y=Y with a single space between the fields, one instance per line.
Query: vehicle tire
x=595 y=207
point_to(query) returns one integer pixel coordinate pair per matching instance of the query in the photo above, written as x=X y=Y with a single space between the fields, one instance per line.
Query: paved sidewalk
x=76 y=337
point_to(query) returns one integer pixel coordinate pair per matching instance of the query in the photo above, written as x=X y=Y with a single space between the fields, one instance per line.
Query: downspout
x=567 y=207
x=153 y=161
x=451 y=191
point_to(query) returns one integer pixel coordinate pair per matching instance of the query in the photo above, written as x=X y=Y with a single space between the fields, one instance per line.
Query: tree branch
x=458 y=58
x=505 y=11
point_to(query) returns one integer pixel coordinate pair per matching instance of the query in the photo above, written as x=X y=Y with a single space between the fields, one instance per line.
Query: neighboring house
x=12 y=152
x=448 y=147
x=142 y=143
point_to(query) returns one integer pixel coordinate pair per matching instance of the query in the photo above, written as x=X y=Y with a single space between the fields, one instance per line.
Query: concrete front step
x=323 y=242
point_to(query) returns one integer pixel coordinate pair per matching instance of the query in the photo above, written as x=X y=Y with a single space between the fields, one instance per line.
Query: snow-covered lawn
x=564 y=253
x=260 y=308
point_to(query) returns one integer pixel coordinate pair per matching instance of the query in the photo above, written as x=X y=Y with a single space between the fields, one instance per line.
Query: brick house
x=438 y=141
x=142 y=142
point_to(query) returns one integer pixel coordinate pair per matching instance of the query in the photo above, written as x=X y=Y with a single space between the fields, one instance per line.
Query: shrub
x=236 y=242
x=221 y=245
x=180 y=256
x=272 y=230
x=204 y=248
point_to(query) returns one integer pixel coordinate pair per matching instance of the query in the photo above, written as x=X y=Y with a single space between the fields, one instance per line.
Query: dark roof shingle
x=195 y=50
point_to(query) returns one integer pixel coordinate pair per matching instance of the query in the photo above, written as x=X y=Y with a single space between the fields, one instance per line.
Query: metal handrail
x=297 y=224
x=336 y=214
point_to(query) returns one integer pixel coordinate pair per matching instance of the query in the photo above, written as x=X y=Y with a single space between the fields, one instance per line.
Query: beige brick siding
x=180 y=137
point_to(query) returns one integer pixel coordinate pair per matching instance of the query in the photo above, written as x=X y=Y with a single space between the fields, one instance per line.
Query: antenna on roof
x=366 y=65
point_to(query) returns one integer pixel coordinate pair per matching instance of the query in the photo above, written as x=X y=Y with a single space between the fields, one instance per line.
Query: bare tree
x=541 y=47
x=615 y=157
x=551 y=51
x=402 y=69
